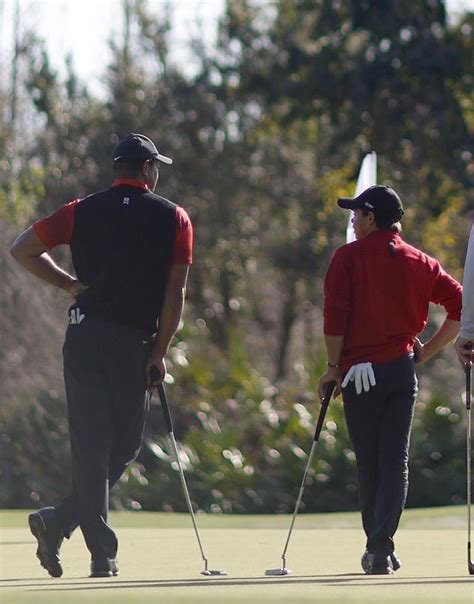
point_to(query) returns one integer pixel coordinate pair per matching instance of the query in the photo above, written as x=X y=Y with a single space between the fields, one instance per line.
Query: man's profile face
x=151 y=173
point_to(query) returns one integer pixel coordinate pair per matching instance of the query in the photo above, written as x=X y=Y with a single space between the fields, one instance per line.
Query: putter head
x=214 y=573
x=471 y=568
x=278 y=572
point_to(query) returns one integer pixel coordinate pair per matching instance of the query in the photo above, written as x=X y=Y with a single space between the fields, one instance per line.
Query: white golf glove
x=362 y=374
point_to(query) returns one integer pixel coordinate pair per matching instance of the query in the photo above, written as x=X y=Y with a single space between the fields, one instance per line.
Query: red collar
x=132 y=182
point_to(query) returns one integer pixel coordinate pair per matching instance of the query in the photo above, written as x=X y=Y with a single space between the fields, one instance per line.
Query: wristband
x=331 y=365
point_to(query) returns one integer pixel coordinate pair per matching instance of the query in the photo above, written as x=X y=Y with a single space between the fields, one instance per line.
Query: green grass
x=160 y=561
x=441 y=517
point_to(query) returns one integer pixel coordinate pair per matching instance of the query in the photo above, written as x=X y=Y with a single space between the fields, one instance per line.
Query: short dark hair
x=383 y=223
x=128 y=167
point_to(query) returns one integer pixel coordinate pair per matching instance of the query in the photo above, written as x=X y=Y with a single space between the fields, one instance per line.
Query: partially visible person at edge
x=465 y=343
x=377 y=293
x=131 y=250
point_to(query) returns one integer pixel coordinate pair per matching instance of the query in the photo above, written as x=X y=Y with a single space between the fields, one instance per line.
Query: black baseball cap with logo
x=383 y=201
x=138 y=147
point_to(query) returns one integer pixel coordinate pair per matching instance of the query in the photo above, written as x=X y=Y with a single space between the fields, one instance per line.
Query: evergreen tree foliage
x=266 y=134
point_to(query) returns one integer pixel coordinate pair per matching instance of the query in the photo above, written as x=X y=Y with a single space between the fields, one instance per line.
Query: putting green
x=160 y=561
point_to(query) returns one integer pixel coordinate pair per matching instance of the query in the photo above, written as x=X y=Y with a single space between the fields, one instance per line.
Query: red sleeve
x=56 y=229
x=183 y=244
x=337 y=295
x=447 y=292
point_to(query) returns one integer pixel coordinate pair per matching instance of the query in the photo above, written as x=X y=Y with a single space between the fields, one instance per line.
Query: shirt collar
x=380 y=236
x=132 y=182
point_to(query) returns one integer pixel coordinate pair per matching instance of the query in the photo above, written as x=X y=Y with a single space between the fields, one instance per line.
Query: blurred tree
x=64 y=149
x=438 y=467
x=266 y=134
x=383 y=73
x=20 y=182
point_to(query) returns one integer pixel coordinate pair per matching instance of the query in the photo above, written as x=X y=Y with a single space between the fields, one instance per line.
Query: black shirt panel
x=122 y=246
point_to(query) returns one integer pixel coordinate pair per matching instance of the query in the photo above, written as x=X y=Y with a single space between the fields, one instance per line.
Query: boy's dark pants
x=379 y=423
x=104 y=373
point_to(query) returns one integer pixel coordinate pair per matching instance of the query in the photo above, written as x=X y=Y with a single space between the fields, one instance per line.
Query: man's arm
x=170 y=316
x=445 y=334
x=30 y=252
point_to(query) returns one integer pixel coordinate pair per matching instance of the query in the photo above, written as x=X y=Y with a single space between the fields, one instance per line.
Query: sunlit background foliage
x=266 y=134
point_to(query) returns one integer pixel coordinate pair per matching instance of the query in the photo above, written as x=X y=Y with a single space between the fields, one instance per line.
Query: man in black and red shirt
x=377 y=293
x=131 y=250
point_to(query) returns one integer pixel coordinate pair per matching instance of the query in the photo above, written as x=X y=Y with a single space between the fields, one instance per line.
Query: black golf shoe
x=104 y=568
x=396 y=562
x=49 y=534
x=364 y=561
x=376 y=564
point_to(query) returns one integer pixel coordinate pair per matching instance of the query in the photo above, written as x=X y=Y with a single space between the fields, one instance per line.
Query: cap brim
x=348 y=203
x=164 y=159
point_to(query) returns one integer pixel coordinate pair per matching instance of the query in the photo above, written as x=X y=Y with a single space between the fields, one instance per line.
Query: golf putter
x=280 y=572
x=468 y=370
x=169 y=424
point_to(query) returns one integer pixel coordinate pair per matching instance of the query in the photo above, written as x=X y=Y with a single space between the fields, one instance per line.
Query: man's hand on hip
x=74 y=288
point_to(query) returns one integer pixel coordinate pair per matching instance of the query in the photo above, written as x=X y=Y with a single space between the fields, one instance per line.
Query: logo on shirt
x=75 y=316
x=126 y=201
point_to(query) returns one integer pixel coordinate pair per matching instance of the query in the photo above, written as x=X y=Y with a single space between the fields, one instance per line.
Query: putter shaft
x=187 y=497
x=322 y=414
x=298 y=502
x=169 y=424
x=468 y=370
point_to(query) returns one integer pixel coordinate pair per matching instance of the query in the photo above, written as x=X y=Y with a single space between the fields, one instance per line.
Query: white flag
x=367 y=178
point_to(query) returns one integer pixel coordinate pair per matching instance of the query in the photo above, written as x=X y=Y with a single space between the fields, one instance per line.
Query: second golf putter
x=279 y=572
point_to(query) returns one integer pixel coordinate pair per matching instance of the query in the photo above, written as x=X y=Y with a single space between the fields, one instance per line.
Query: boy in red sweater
x=377 y=293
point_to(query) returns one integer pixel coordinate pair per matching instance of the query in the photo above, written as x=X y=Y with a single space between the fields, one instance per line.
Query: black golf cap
x=138 y=147
x=379 y=199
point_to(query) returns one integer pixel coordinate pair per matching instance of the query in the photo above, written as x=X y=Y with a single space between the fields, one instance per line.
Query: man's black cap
x=379 y=199
x=138 y=147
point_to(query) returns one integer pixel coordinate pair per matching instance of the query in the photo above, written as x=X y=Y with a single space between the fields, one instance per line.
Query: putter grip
x=324 y=408
x=468 y=371
x=165 y=407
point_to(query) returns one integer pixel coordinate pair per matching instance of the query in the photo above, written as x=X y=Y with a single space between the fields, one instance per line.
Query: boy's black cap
x=139 y=147
x=379 y=199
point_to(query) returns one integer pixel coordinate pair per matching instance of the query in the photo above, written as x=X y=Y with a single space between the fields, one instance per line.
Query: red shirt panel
x=56 y=229
x=380 y=302
x=183 y=243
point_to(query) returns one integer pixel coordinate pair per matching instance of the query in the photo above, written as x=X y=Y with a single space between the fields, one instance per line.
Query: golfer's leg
x=127 y=354
x=91 y=436
x=126 y=374
x=394 y=450
x=67 y=513
x=363 y=423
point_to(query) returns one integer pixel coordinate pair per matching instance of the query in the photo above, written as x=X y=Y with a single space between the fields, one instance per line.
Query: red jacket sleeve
x=447 y=292
x=56 y=229
x=183 y=244
x=337 y=295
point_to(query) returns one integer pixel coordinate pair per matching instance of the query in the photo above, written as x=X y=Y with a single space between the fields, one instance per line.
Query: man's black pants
x=379 y=424
x=104 y=373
